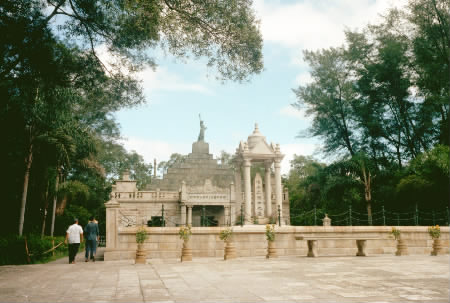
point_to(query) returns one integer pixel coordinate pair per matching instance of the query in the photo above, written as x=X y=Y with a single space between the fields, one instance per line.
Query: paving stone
x=289 y=279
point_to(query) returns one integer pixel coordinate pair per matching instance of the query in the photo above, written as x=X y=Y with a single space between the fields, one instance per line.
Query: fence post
x=279 y=216
x=203 y=216
x=315 y=215
x=350 y=215
x=434 y=218
x=163 y=223
x=384 y=217
x=398 y=219
x=448 y=217
x=242 y=215
x=417 y=215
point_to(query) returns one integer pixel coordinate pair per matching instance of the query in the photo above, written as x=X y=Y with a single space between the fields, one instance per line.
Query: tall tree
x=329 y=100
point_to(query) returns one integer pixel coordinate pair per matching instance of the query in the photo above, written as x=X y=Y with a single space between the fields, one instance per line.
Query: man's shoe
x=86 y=260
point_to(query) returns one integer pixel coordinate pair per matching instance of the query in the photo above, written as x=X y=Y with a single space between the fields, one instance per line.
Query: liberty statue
x=201 y=135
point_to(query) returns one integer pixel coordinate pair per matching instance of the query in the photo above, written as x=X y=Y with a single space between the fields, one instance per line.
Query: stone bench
x=312 y=244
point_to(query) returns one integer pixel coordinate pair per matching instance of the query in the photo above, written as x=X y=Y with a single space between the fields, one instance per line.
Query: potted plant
x=230 y=250
x=141 y=254
x=270 y=236
x=435 y=233
x=402 y=248
x=185 y=234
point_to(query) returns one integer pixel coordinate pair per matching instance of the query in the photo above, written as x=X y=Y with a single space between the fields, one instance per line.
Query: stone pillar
x=189 y=215
x=278 y=193
x=183 y=215
x=247 y=192
x=226 y=220
x=268 y=189
x=233 y=214
x=111 y=224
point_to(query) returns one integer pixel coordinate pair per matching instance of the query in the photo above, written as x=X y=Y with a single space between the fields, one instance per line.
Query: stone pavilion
x=202 y=192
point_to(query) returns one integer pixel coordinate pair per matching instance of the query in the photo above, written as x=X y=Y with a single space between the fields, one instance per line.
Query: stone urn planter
x=402 y=248
x=271 y=250
x=141 y=254
x=435 y=233
x=186 y=252
x=438 y=248
x=270 y=236
x=230 y=249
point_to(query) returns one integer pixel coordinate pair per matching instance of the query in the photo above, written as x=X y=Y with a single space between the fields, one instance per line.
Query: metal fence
x=380 y=217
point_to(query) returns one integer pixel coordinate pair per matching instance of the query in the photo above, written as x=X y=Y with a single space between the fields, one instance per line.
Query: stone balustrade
x=164 y=242
x=146 y=195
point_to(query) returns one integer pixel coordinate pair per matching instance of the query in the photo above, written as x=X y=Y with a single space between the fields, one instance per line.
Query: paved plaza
x=418 y=278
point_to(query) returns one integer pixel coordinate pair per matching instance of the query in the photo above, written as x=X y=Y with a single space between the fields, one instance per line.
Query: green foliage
x=270 y=232
x=226 y=234
x=185 y=232
x=175 y=158
x=141 y=235
x=396 y=233
x=434 y=231
x=12 y=249
x=380 y=104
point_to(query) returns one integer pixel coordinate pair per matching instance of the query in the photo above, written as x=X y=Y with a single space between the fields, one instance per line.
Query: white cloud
x=290 y=111
x=316 y=24
x=303 y=78
x=304 y=149
x=163 y=80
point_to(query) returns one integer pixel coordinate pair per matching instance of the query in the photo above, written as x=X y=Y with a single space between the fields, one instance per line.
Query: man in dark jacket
x=91 y=234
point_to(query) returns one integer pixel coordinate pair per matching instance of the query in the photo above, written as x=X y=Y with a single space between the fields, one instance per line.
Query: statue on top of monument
x=201 y=135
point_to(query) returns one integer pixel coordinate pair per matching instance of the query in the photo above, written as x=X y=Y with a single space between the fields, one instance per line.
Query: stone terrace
x=418 y=278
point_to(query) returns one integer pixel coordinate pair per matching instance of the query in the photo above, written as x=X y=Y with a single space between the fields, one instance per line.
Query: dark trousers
x=91 y=247
x=73 y=250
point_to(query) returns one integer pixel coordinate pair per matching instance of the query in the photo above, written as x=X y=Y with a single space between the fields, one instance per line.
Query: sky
x=178 y=91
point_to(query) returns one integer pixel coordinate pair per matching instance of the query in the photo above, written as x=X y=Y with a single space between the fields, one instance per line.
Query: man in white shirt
x=74 y=235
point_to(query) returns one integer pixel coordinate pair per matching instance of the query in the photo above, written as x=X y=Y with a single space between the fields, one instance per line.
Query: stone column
x=247 y=192
x=278 y=193
x=268 y=189
x=189 y=215
x=111 y=224
x=226 y=220
x=183 y=214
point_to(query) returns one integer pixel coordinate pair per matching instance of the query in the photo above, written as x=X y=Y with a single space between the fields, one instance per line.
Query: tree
x=175 y=158
x=44 y=77
x=329 y=100
x=431 y=47
x=226 y=32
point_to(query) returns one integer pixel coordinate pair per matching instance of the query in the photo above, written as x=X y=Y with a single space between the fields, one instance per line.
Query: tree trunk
x=55 y=199
x=45 y=212
x=28 y=161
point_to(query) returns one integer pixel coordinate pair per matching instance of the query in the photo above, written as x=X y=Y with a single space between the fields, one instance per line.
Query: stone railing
x=147 y=195
x=164 y=242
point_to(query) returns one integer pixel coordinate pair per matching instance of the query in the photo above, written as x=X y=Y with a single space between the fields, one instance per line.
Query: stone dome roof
x=255 y=138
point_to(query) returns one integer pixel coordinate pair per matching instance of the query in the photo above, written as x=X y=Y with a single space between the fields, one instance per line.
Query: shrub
x=270 y=232
x=141 y=235
x=185 y=232
x=396 y=233
x=226 y=234
x=434 y=231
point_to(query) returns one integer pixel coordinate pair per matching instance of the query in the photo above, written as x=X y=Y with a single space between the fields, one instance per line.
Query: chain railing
x=379 y=217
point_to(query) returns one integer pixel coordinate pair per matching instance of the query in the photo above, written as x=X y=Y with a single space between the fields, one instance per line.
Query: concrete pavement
x=416 y=278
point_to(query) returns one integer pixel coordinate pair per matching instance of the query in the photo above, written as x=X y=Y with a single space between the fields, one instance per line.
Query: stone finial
x=246 y=147
x=326 y=221
x=277 y=148
x=126 y=175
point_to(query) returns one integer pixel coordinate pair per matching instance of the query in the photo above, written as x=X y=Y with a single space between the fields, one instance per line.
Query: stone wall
x=250 y=241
